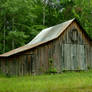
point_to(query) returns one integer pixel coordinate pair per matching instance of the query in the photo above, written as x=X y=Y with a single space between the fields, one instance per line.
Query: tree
x=24 y=19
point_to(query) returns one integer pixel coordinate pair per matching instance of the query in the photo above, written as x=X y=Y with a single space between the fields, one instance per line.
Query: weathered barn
x=65 y=46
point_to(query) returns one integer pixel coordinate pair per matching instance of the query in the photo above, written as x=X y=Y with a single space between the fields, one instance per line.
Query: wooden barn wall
x=89 y=58
x=63 y=52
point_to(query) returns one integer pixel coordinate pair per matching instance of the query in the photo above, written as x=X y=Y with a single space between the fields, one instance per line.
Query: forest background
x=22 y=20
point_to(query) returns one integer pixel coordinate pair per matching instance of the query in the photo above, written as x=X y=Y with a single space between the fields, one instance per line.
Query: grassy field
x=65 y=82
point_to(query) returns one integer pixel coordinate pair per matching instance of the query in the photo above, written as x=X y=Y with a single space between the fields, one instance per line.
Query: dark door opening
x=30 y=63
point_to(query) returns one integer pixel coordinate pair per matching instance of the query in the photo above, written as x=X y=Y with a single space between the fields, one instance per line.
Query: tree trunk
x=4 y=42
x=4 y=34
x=13 y=43
x=44 y=14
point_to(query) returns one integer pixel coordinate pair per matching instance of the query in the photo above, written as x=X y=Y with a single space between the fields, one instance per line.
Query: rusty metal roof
x=44 y=36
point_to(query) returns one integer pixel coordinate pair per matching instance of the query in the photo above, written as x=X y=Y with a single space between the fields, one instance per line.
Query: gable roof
x=44 y=36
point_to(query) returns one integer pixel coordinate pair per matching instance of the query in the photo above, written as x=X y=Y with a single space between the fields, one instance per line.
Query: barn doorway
x=74 y=57
x=30 y=63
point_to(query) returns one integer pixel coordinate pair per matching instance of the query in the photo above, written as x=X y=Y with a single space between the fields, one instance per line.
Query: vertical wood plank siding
x=65 y=54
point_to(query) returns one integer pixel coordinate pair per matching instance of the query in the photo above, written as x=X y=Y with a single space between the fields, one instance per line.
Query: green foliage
x=52 y=70
x=51 y=66
x=17 y=37
x=23 y=19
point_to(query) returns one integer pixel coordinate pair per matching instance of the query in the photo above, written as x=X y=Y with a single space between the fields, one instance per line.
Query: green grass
x=65 y=82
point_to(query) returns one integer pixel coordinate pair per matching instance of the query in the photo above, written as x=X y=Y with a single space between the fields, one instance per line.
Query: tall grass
x=65 y=82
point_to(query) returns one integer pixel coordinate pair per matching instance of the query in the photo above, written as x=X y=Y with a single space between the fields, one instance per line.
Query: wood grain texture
x=70 y=51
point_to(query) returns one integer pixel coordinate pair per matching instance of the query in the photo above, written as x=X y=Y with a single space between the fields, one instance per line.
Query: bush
x=51 y=67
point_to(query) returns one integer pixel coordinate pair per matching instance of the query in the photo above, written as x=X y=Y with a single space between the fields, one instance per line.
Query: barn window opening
x=74 y=35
